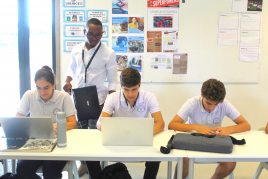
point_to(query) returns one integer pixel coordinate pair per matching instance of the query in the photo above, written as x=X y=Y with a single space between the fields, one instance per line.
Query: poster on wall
x=74 y=30
x=154 y=41
x=170 y=41
x=247 y=5
x=119 y=25
x=161 y=61
x=180 y=61
x=120 y=44
x=119 y=6
x=163 y=3
x=74 y=16
x=74 y=3
x=121 y=60
x=70 y=43
x=136 y=44
x=163 y=19
x=136 y=25
x=135 y=61
x=102 y=15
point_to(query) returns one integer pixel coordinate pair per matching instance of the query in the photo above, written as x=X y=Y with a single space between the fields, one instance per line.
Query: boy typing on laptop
x=130 y=101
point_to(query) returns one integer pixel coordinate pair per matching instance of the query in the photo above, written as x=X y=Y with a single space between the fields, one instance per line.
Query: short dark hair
x=214 y=90
x=130 y=77
x=46 y=73
x=94 y=21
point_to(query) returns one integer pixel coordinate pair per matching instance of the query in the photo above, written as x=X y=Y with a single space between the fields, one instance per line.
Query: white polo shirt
x=33 y=104
x=116 y=105
x=193 y=112
x=101 y=69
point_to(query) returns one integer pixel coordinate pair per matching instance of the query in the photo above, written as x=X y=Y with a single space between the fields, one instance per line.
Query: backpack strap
x=238 y=142
x=166 y=150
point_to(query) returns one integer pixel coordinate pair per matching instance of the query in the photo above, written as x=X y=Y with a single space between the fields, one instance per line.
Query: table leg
x=191 y=169
x=179 y=168
x=169 y=172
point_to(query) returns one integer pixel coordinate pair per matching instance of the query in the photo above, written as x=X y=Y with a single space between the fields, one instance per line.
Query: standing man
x=92 y=63
x=204 y=114
x=130 y=101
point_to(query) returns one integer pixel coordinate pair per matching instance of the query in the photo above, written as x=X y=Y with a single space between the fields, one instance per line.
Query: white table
x=255 y=150
x=86 y=145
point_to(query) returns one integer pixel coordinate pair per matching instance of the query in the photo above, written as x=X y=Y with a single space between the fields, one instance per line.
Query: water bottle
x=61 y=124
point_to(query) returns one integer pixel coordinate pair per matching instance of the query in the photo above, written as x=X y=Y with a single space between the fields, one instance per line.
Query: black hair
x=46 y=73
x=94 y=21
x=213 y=90
x=130 y=77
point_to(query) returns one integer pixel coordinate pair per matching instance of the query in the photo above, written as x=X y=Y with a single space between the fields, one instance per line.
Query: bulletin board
x=197 y=39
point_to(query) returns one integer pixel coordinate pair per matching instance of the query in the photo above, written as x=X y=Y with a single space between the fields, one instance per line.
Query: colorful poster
x=136 y=44
x=135 y=61
x=161 y=61
x=119 y=25
x=180 y=63
x=120 y=7
x=69 y=44
x=163 y=3
x=135 y=25
x=74 y=3
x=163 y=19
x=121 y=61
x=154 y=41
x=120 y=44
x=74 y=30
x=74 y=16
x=102 y=15
x=170 y=41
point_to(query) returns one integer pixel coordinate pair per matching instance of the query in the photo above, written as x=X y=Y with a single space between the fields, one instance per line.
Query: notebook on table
x=127 y=131
x=27 y=134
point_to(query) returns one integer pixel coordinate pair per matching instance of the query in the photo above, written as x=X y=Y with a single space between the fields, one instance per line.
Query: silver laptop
x=127 y=131
x=20 y=131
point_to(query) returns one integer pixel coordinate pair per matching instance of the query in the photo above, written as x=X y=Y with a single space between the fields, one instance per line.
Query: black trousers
x=151 y=169
x=26 y=169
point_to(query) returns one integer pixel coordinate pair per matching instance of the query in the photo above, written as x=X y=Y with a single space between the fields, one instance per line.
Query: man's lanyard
x=86 y=67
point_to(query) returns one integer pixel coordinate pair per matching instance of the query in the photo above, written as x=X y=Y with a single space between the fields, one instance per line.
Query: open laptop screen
x=127 y=131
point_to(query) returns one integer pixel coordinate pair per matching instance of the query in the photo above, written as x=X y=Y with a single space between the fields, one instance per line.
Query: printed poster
x=74 y=30
x=102 y=15
x=135 y=61
x=69 y=44
x=163 y=3
x=119 y=25
x=74 y=3
x=161 y=61
x=163 y=19
x=119 y=6
x=170 y=41
x=135 y=25
x=154 y=41
x=136 y=44
x=120 y=44
x=180 y=61
x=74 y=16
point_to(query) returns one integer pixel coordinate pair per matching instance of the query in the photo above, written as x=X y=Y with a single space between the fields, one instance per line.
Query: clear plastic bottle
x=61 y=125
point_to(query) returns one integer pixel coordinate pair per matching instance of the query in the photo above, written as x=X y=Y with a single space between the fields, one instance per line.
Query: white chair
x=261 y=166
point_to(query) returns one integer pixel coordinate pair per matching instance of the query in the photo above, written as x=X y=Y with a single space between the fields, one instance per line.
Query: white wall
x=250 y=99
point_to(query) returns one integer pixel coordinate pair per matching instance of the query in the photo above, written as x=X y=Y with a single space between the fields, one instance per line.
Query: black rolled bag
x=201 y=142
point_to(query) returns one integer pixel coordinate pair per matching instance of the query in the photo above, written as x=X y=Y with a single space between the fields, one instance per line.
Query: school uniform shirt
x=117 y=106
x=32 y=103
x=193 y=112
x=102 y=68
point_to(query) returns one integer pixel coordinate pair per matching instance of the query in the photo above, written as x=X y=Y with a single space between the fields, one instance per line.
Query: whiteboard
x=198 y=28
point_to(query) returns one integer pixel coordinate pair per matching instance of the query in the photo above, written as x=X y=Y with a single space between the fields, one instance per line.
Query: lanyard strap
x=86 y=67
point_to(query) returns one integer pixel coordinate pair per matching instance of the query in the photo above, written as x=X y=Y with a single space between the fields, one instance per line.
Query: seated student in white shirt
x=130 y=101
x=204 y=114
x=45 y=101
